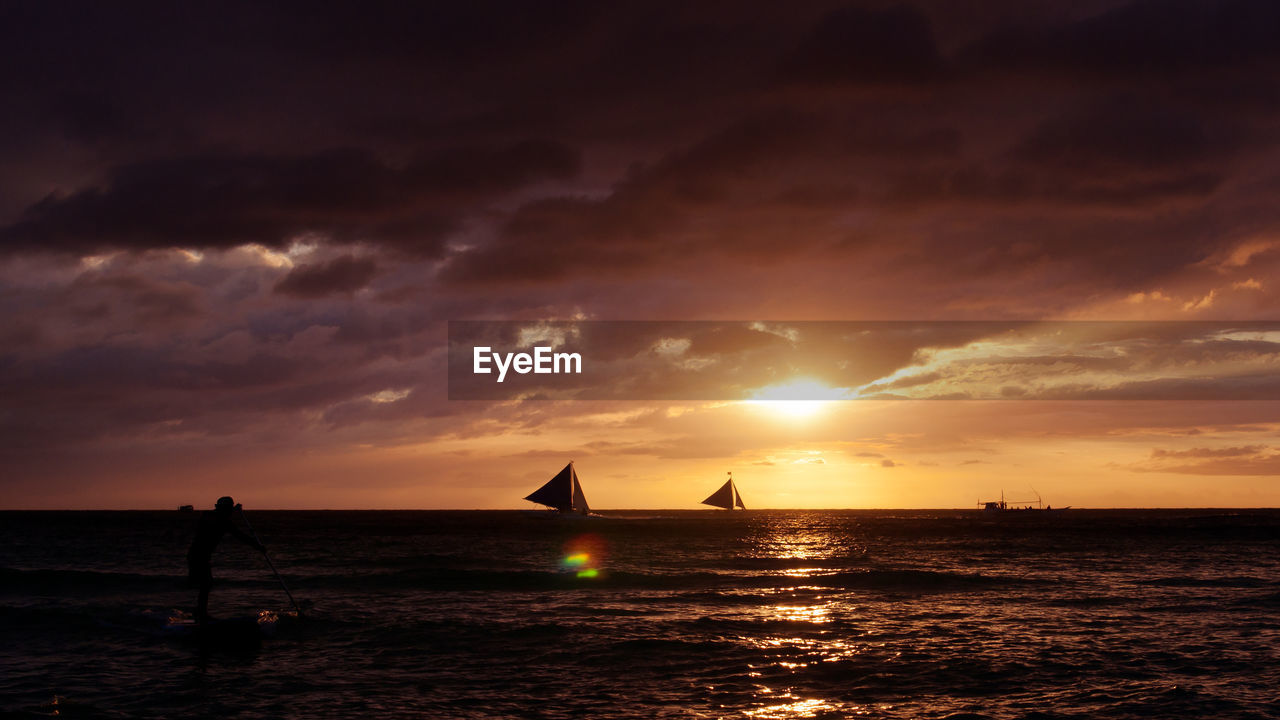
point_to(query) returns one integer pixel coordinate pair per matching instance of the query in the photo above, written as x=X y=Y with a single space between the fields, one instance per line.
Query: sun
x=798 y=398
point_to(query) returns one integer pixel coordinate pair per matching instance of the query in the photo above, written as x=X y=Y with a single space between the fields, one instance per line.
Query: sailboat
x=562 y=493
x=726 y=497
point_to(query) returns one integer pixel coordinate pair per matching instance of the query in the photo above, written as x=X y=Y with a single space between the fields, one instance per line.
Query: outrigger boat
x=726 y=497
x=562 y=494
x=1002 y=505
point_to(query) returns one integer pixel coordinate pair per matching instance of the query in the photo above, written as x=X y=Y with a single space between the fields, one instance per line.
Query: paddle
x=270 y=564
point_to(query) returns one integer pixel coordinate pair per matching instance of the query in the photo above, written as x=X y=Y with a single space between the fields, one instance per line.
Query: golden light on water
x=813 y=708
x=810 y=708
x=801 y=613
x=798 y=539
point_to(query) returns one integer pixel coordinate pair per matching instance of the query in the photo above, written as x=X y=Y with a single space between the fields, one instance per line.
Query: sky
x=233 y=235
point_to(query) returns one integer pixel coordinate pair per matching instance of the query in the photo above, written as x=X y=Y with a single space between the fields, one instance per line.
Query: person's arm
x=239 y=535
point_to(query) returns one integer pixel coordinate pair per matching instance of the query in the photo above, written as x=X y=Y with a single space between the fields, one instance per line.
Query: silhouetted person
x=213 y=525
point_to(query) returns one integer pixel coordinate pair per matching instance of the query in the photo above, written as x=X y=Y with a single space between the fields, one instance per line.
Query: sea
x=651 y=614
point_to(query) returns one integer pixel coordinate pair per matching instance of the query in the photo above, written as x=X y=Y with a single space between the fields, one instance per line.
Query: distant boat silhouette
x=1003 y=506
x=562 y=493
x=726 y=497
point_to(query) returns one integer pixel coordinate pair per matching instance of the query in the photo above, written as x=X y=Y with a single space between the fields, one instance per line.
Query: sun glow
x=799 y=398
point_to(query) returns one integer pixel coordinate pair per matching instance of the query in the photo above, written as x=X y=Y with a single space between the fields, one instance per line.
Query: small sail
x=738 y=497
x=722 y=498
x=560 y=491
x=579 y=499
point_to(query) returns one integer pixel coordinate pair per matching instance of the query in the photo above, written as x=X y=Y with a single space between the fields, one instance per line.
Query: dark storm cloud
x=1013 y=187
x=1072 y=161
x=1125 y=132
x=149 y=301
x=450 y=33
x=90 y=57
x=646 y=218
x=1121 y=150
x=740 y=193
x=825 y=159
x=181 y=389
x=341 y=274
x=745 y=172
x=222 y=201
x=867 y=46
x=1153 y=37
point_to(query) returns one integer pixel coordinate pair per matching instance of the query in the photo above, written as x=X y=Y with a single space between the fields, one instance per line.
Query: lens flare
x=583 y=556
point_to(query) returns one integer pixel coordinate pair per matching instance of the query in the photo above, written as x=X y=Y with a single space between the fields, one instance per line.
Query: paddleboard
x=233 y=633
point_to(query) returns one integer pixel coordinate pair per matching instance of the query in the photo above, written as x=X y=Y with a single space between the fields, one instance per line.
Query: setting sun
x=799 y=398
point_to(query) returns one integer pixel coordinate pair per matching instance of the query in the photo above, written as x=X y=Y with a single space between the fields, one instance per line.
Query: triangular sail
x=738 y=498
x=562 y=492
x=559 y=491
x=722 y=498
x=579 y=499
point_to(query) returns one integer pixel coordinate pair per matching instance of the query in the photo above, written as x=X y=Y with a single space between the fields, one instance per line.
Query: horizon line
x=612 y=510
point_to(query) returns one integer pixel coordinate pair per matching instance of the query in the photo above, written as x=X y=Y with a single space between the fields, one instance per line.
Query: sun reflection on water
x=803 y=538
x=800 y=572
x=801 y=613
x=792 y=652
x=804 y=548
x=797 y=708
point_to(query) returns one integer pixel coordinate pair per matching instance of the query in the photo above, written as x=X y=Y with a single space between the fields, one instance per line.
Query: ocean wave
x=1209 y=582
x=457 y=579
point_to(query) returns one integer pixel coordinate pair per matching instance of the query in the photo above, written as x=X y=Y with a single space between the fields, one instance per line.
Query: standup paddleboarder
x=213 y=525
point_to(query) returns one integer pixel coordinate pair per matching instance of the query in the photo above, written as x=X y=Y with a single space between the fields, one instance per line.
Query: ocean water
x=762 y=614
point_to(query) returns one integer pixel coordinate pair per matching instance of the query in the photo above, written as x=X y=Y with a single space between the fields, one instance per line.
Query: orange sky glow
x=212 y=286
